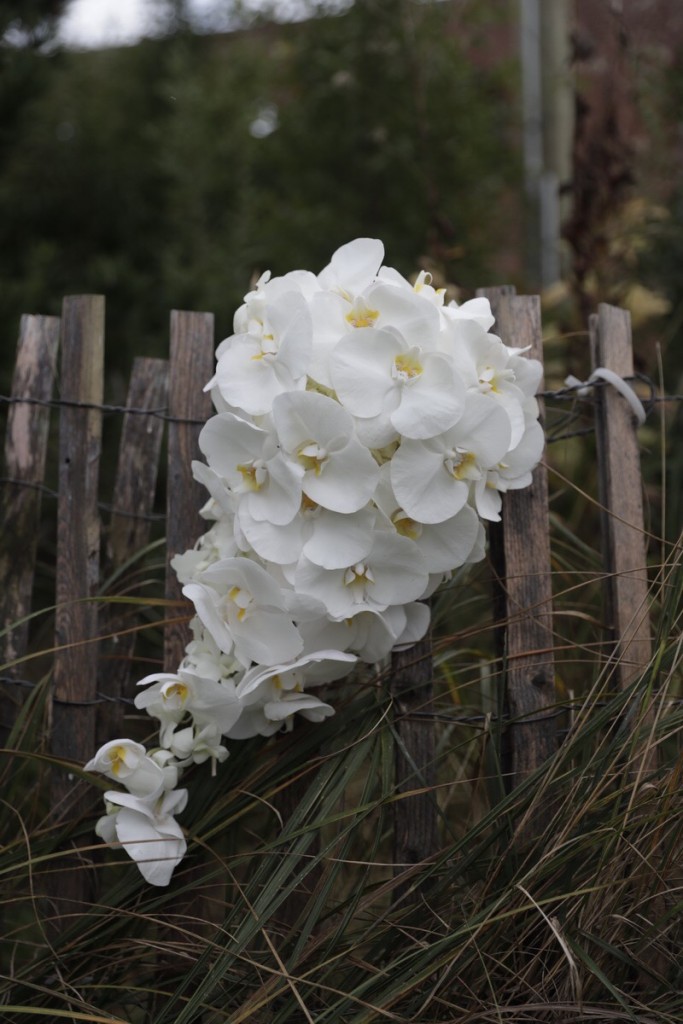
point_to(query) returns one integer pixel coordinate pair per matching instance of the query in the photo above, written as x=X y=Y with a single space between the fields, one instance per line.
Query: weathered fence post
x=624 y=551
x=414 y=817
x=521 y=553
x=129 y=527
x=26 y=445
x=621 y=497
x=191 y=367
x=78 y=552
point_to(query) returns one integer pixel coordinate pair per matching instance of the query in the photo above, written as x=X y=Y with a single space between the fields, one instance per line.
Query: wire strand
x=450 y=717
x=65 y=403
x=567 y=393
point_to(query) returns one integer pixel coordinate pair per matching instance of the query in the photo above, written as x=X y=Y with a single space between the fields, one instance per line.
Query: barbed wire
x=575 y=393
x=65 y=403
x=446 y=717
x=570 y=392
x=103 y=506
x=579 y=388
x=100 y=698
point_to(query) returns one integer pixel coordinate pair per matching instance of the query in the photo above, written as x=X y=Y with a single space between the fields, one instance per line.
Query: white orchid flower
x=380 y=306
x=221 y=503
x=491 y=368
x=263 y=484
x=216 y=544
x=393 y=572
x=129 y=763
x=444 y=546
x=477 y=310
x=147 y=831
x=528 y=378
x=317 y=667
x=277 y=712
x=251 y=316
x=408 y=622
x=417 y=393
x=409 y=313
x=422 y=285
x=330 y=539
x=253 y=368
x=171 y=696
x=338 y=305
x=372 y=635
x=272 y=696
x=353 y=267
x=195 y=745
x=513 y=472
x=243 y=609
x=317 y=435
x=204 y=658
x=431 y=479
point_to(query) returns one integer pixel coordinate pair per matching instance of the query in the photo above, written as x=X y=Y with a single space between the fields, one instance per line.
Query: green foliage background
x=137 y=172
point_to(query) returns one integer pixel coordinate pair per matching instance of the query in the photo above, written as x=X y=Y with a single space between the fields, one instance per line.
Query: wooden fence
x=168 y=395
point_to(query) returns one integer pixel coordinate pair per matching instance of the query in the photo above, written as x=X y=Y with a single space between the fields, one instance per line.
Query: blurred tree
x=32 y=25
x=660 y=258
x=25 y=34
x=165 y=174
x=389 y=123
x=81 y=194
x=27 y=55
x=206 y=154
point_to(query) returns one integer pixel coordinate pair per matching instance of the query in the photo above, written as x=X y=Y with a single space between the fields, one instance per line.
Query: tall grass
x=289 y=906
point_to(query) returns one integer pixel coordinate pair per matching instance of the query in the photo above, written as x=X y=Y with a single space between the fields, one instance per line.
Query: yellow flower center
x=177 y=691
x=295 y=687
x=242 y=599
x=253 y=475
x=117 y=759
x=407 y=366
x=462 y=465
x=312 y=456
x=358 y=575
x=268 y=347
x=362 y=316
x=406 y=526
x=308 y=505
x=487 y=379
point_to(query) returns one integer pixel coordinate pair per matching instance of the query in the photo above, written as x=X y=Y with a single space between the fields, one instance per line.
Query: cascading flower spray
x=364 y=430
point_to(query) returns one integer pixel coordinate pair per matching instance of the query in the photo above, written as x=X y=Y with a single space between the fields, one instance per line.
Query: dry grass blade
x=311 y=916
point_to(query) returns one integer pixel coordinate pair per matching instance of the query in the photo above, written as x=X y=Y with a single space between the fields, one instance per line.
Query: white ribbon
x=602 y=373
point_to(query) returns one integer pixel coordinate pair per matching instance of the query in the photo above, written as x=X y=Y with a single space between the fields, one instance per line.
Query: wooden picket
x=191 y=366
x=129 y=529
x=26 y=444
x=520 y=551
x=621 y=497
x=521 y=558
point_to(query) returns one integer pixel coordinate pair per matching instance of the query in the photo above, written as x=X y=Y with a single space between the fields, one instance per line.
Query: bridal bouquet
x=364 y=429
